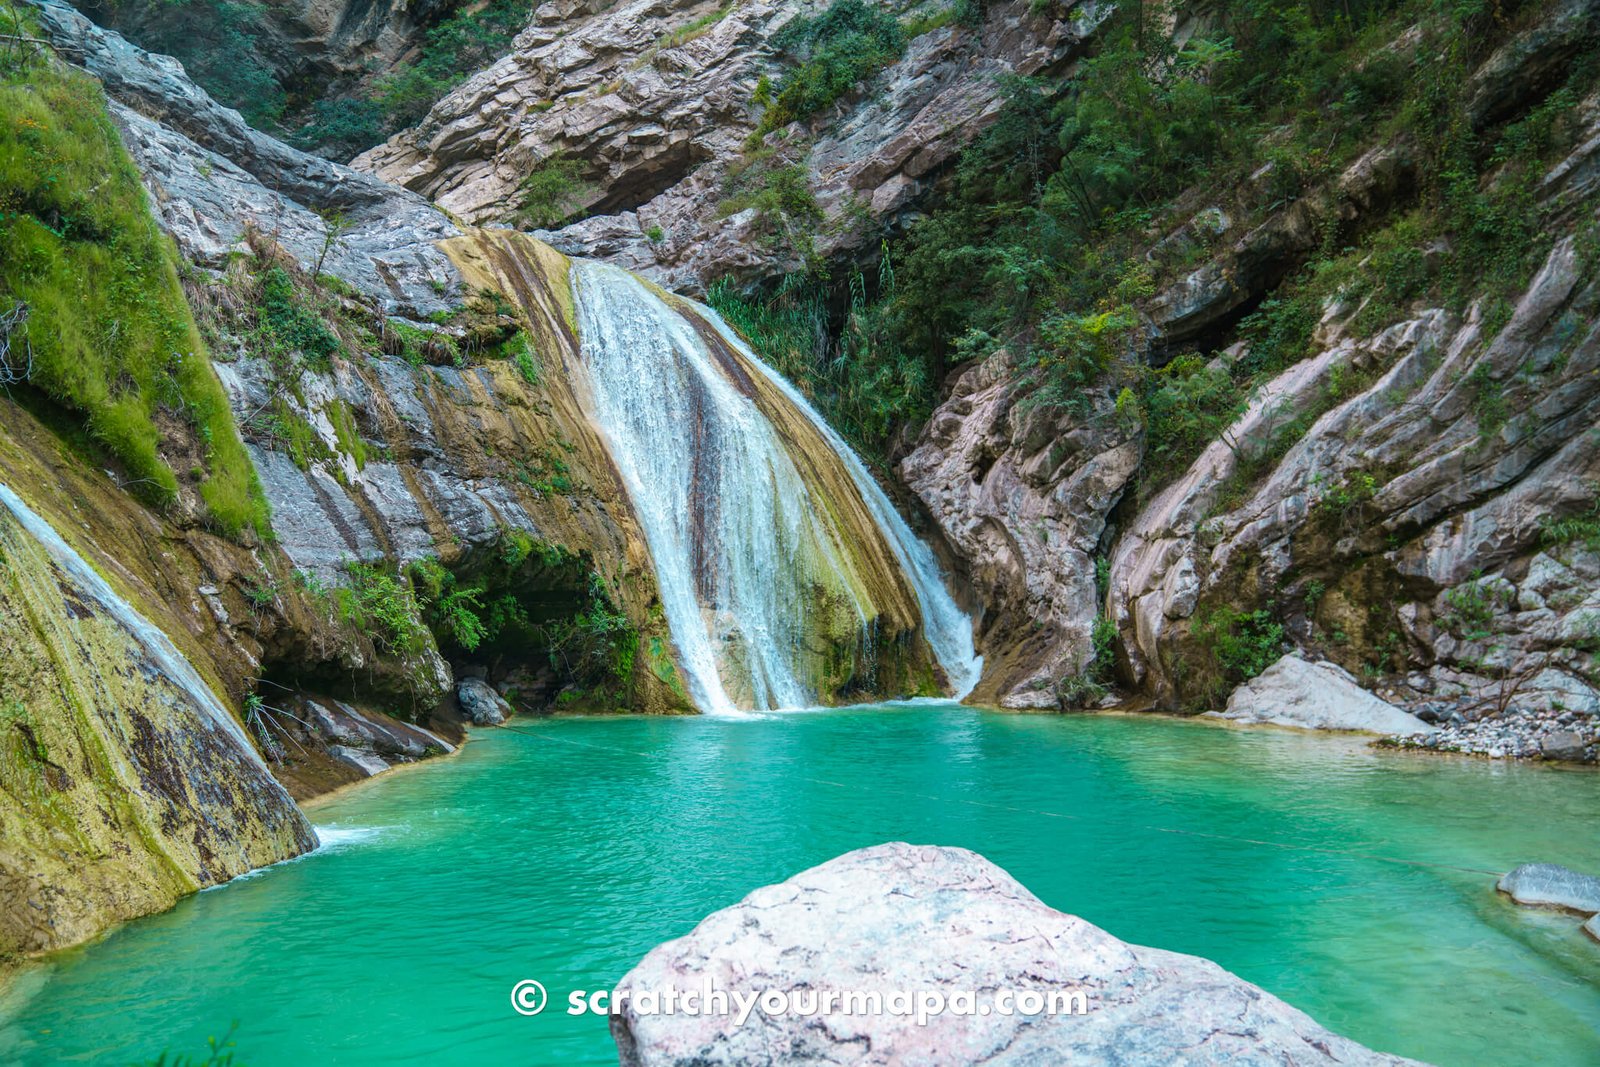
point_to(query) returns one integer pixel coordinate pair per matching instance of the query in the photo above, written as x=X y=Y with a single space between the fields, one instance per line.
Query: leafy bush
x=1243 y=644
x=551 y=191
x=381 y=604
x=841 y=47
x=290 y=326
x=111 y=334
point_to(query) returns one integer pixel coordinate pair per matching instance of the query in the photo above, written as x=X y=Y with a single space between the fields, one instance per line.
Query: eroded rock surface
x=901 y=916
x=657 y=124
x=1316 y=696
x=1553 y=886
x=1392 y=497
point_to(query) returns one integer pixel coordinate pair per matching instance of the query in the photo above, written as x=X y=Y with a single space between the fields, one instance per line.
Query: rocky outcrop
x=212 y=178
x=127 y=782
x=945 y=921
x=658 y=123
x=1316 y=696
x=1023 y=494
x=1550 y=885
x=1395 y=499
x=480 y=703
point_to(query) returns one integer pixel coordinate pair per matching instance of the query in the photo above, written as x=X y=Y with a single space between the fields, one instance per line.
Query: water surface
x=565 y=851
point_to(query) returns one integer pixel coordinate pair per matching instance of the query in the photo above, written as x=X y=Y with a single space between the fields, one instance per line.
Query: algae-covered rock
x=127 y=782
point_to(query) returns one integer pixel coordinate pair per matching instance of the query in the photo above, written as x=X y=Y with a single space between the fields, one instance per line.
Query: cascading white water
x=740 y=545
x=947 y=627
x=163 y=654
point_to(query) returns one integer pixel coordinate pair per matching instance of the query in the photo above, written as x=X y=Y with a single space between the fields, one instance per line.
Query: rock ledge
x=905 y=917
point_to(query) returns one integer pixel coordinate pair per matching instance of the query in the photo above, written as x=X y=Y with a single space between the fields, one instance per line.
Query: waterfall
x=163 y=654
x=948 y=629
x=768 y=535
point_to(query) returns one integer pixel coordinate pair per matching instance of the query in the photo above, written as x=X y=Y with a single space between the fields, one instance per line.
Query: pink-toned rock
x=923 y=918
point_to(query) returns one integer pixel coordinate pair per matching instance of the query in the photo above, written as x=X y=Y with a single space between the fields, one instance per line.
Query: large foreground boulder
x=1553 y=886
x=901 y=917
x=1316 y=696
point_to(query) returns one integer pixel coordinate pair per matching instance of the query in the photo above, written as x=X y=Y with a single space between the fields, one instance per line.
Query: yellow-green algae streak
x=126 y=785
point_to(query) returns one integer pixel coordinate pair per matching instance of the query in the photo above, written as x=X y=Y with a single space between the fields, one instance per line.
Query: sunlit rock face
x=657 y=124
x=944 y=921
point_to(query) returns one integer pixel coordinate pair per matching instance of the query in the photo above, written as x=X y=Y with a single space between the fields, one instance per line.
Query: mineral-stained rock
x=1316 y=696
x=907 y=917
x=1551 y=885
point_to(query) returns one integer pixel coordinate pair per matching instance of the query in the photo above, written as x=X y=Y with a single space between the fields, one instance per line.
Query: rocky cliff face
x=655 y=102
x=127 y=784
x=1408 y=499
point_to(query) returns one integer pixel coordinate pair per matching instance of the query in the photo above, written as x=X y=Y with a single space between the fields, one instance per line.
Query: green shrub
x=288 y=325
x=111 y=334
x=551 y=192
x=842 y=47
x=1583 y=529
x=1243 y=644
x=381 y=604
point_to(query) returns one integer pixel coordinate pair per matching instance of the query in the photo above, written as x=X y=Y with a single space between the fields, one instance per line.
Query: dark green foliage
x=292 y=326
x=220 y=43
x=380 y=603
x=111 y=335
x=1040 y=243
x=1243 y=644
x=842 y=47
x=467 y=41
x=862 y=379
x=551 y=191
x=342 y=127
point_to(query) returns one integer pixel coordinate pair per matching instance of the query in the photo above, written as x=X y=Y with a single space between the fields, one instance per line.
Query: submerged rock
x=480 y=703
x=924 y=918
x=1552 y=885
x=1316 y=696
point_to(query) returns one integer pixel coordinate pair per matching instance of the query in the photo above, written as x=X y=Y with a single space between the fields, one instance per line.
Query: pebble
x=1517 y=734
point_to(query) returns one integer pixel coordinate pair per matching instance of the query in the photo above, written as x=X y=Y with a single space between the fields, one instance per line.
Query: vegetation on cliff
x=89 y=288
x=1047 y=239
x=231 y=49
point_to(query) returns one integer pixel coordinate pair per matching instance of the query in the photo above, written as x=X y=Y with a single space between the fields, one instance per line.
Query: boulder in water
x=480 y=703
x=368 y=763
x=1316 y=696
x=1592 y=927
x=1553 y=886
x=931 y=920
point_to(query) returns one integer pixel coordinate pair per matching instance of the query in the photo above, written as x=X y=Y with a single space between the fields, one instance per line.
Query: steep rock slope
x=1413 y=496
x=652 y=104
x=125 y=783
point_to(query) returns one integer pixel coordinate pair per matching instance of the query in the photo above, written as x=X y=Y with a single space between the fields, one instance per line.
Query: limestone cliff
x=656 y=102
x=1407 y=498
